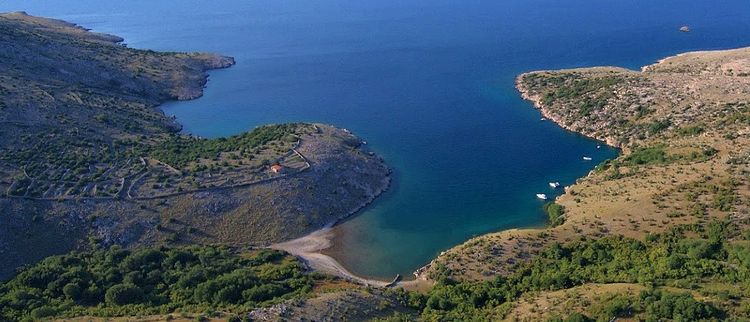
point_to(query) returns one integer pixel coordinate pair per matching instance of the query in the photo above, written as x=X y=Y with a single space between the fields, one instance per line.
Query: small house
x=277 y=168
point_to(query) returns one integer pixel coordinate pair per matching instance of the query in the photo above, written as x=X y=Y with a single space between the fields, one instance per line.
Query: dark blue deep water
x=429 y=84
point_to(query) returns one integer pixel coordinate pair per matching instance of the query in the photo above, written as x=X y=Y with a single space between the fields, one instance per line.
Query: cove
x=429 y=85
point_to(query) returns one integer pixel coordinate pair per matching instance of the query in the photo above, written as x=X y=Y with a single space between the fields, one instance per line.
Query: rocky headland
x=86 y=156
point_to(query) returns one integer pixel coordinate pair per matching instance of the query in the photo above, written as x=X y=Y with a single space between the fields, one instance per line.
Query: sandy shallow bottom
x=309 y=248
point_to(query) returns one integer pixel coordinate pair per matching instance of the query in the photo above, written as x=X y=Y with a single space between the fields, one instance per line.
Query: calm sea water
x=429 y=84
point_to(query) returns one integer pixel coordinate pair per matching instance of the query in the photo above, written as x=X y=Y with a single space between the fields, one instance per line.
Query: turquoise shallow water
x=429 y=84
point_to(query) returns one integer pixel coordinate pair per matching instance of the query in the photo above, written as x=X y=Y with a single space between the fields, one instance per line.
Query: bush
x=646 y=156
x=555 y=213
x=72 y=291
x=43 y=312
x=691 y=130
x=658 y=126
x=617 y=306
x=578 y=317
x=123 y=294
x=662 y=306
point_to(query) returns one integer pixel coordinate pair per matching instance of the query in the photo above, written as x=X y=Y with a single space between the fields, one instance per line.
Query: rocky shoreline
x=548 y=114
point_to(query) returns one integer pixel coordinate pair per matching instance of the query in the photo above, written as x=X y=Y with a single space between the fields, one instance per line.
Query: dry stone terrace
x=147 y=177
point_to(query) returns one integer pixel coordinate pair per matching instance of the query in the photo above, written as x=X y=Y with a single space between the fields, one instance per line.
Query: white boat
x=554 y=184
x=598 y=146
x=543 y=119
x=587 y=158
x=541 y=196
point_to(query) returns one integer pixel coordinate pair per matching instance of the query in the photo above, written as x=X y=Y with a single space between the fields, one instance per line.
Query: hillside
x=683 y=127
x=87 y=156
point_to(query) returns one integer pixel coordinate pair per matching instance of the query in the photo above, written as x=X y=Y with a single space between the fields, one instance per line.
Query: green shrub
x=658 y=126
x=691 y=130
x=123 y=294
x=662 y=306
x=555 y=213
x=72 y=291
x=42 y=312
x=646 y=156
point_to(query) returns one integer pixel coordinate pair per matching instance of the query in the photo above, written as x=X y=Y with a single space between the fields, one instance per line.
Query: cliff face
x=85 y=152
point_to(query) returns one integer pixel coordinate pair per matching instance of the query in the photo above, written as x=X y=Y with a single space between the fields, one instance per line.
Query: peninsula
x=87 y=156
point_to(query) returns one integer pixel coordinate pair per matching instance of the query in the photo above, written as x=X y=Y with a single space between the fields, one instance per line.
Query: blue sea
x=428 y=84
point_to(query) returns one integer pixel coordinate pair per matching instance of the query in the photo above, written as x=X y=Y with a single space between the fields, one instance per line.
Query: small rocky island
x=86 y=154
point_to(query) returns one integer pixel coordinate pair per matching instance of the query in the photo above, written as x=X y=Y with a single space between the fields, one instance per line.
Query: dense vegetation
x=180 y=150
x=656 y=305
x=118 y=282
x=653 y=156
x=659 y=154
x=683 y=257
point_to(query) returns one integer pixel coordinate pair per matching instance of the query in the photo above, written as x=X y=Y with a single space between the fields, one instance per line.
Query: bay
x=429 y=85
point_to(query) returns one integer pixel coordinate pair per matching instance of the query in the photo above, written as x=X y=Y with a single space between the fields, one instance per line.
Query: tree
x=72 y=291
x=122 y=294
